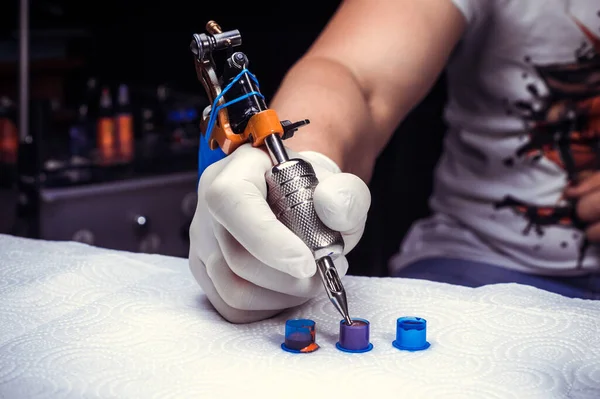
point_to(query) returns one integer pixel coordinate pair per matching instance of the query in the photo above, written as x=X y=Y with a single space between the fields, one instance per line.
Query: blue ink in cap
x=300 y=336
x=411 y=334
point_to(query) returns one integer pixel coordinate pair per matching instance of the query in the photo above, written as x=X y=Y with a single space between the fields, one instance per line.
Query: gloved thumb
x=342 y=201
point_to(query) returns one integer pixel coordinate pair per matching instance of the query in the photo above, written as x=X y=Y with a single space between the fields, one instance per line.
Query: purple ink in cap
x=354 y=338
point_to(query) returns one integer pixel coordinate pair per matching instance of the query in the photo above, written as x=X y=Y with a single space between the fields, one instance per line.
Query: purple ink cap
x=354 y=338
x=300 y=336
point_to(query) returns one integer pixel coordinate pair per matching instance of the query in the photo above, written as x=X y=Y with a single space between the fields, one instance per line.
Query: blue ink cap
x=411 y=334
x=300 y=336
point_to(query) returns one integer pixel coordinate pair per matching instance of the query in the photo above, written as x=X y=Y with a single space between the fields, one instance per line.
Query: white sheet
x=83 y=322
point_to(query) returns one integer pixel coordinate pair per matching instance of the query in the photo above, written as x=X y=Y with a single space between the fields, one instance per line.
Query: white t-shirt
x=521 y=70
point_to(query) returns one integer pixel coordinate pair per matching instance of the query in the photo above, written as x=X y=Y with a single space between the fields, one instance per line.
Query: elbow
x=378 y=110
x=359 y=114
x=341 y=70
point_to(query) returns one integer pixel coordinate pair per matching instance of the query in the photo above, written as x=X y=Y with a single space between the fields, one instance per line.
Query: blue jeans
x=475 y=274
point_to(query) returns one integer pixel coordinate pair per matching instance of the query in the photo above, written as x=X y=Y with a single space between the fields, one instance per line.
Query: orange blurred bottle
x=124 y=125
x=105 y=131
x=9 y=136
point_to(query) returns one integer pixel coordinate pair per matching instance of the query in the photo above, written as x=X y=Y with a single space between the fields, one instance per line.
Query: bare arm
x=375 y=60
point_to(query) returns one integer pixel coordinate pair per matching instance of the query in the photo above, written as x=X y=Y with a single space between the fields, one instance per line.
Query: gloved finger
x=210 y=173
x=237 y=200
x=352 y=237
x=229 y=313
x=342 y=202
x=244 y=295
x=205 y=249
x=243 y=264
x=202 y=240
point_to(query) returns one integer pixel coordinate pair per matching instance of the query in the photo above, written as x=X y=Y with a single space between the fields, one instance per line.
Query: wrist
x=323 y=160
x=357 y=161
x=309 y=142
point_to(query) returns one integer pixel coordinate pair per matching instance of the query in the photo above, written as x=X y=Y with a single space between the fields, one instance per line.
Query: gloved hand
x=249 y=265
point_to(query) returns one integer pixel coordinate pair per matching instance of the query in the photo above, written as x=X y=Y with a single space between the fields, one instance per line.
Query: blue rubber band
x=206 y=156
x=215 y=109
x=215 y=112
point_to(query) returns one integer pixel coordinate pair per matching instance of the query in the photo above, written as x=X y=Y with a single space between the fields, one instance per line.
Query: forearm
x=327 y=93
x=372 y=64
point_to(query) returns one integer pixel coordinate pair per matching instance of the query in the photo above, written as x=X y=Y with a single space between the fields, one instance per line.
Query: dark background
x=148 y=43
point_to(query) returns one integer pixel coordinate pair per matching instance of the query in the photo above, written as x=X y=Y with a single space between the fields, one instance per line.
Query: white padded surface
x=83 y=322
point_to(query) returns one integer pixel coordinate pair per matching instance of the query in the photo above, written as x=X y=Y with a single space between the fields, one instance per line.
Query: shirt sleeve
x=474 y=11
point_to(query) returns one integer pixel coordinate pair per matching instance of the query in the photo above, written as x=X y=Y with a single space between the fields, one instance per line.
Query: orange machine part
x=222 y=136
x=260 y=125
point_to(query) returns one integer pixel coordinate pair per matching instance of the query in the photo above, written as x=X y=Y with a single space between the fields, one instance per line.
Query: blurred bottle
x=80 y=137
x=149 y=135
x=162 y=125
x=161 y=108
x=105 y=132
x=91 y=98
x=148 y=124
x=124 y=125
x=172 y=118
x=9 y=136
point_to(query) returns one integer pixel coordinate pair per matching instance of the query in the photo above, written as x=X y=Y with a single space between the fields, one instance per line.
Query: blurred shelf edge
x=147 y=214
x=54 y=194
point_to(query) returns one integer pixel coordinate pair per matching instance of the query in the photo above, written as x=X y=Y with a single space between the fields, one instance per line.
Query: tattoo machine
x=239 y=115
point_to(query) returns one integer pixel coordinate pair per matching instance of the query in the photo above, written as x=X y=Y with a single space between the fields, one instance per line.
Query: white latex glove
x=249 y=265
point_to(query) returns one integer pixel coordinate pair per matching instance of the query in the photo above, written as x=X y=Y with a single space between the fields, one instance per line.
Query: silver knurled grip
x=291 y=185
